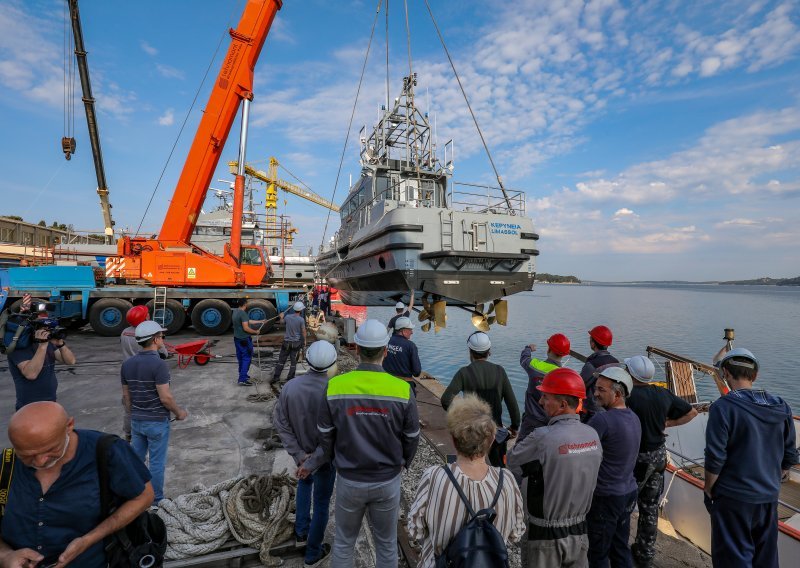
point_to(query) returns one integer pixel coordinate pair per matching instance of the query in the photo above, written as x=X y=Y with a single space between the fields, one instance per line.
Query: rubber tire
x=14 y=308
x=218 y=321
x=202 y=359
x=262 y=309
x=107 y=316
x=174 y=318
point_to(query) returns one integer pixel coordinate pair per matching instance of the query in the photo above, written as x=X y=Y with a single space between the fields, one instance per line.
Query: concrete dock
x=224 y=434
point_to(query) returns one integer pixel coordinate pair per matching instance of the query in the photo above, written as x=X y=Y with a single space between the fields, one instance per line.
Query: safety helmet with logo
x=601 y=335
x=403 y=323
x=399 y=306
x=479 y=342
x=136 y=315
x=321 y=355
x=147 y=330
x=641 y=368
x=299 y=306
x=618 y=375
x=563 y=381
x=372 y=333
x=740 y=353
x=559 y=344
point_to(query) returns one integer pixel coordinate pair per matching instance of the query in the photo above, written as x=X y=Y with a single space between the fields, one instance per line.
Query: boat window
x=251 y=257
x=381 y=187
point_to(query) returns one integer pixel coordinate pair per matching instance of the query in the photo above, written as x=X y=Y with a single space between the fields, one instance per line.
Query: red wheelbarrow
x=199 y=350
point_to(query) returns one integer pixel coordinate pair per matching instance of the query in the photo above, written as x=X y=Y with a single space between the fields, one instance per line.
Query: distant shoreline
x=765 y=281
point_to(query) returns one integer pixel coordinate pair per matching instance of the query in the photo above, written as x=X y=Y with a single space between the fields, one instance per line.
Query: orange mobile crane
x=170 y=259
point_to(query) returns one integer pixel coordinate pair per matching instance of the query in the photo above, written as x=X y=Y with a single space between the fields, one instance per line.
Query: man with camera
x=33 y=367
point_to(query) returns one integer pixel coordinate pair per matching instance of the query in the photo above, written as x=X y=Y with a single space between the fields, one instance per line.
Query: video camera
x=18 y=330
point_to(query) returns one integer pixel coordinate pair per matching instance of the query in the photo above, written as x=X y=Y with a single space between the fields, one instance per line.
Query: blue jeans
x=381 y=500
x=321 y=482
x=744 y=534
x=150 y=439
x=244 y=354
x=609 y=523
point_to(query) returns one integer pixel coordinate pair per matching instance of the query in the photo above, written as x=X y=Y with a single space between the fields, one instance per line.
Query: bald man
x=53 y=513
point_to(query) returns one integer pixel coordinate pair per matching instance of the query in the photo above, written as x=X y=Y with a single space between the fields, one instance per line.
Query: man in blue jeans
x=146 y=394
x=243 y=329
x=295 y=420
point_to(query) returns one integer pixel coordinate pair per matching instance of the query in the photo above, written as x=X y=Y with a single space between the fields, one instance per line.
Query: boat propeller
x=484 y=316
x=433 y=314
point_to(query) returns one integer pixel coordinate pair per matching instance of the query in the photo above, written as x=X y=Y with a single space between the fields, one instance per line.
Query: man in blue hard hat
x=750 y=448
x=369 y=424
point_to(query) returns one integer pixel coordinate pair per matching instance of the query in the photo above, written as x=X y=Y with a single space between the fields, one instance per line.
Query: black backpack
x=143 y=542
x=478 y=544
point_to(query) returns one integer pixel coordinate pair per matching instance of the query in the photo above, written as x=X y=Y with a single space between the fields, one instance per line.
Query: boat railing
x=482 y=198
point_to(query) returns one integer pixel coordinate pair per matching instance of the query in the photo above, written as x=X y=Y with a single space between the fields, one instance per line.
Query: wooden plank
x=680 y=378
x=433 y=418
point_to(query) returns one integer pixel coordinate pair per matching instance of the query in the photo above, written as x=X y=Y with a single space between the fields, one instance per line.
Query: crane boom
x=285 y=185
x=234 y=83
x=91 y=120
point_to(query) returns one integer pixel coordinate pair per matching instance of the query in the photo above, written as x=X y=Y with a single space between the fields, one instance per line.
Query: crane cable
x=350 y=124
x=69 y=76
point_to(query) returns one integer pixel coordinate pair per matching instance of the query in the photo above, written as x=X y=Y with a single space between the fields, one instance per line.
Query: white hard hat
x=399 y=306
x=372 y=333
x=740 y=353
x=299 y=306
x=321 y=355
x=479 y=342
x=618 y=375
x=640 y=368
x=146 y=330
x=403 y=323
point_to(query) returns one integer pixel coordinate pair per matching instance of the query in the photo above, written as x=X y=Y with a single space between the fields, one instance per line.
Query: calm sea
x=685 y=319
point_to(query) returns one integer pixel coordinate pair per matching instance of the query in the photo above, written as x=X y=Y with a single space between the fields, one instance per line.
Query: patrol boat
x=406 y=225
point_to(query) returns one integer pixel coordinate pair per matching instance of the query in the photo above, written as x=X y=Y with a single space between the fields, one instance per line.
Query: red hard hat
x=563 y=381
x=136 y=315
x=559 y=344
x=602 y=335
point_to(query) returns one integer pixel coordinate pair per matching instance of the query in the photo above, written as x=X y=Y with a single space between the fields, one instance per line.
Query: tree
x=12 y=217
x=42 y=223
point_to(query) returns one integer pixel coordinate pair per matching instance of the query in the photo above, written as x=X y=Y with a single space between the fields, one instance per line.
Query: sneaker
x=245 y=384
x=326 y=551
x=300 y=540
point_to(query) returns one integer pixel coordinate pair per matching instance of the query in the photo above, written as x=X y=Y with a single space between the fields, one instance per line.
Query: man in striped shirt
x=146 y=393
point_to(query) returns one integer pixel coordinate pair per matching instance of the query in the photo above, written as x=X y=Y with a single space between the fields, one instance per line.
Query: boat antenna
x=408 y=40
x=352 y=115
x=475 y=120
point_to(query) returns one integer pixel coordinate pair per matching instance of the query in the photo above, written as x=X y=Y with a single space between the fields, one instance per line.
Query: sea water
x=684 y=319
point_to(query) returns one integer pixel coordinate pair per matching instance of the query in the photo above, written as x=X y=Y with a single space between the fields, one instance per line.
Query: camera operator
x=33 y=367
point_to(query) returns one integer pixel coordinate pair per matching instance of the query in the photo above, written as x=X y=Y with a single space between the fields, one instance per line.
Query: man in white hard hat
x=401 y=311
x=657 y=409
x=369 y=423
x=402 y=357
x=490 y=382
x=295 y=420
x=294 y=339
x=147 y=396
x=619 y=430
x=750 y=448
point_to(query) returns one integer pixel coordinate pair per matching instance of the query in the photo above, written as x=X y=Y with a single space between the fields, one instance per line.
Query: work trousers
x=744 y=534
x=381 y=501
x=650 y=477
x=149 y=440
x=567 y=552
x=320 y=484
x=609 y=528
x=289 y=350
x=244 y=355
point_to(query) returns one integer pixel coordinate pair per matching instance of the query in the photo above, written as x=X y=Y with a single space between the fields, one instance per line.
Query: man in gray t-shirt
x=243 y=329
x=293 y=341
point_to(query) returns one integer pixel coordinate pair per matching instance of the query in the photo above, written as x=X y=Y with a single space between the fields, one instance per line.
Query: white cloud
x=147 y=48
x=168 y=118
x=710 y=66
x=741 y=222
x=169 y=72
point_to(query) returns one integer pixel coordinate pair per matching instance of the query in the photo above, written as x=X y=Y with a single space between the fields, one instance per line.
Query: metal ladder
x=160 y=305
x=447 y=231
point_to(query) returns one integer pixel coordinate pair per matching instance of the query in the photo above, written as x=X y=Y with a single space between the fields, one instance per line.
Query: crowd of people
x=586 y=451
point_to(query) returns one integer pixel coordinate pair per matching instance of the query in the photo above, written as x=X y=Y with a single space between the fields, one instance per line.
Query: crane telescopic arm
x=91 y=120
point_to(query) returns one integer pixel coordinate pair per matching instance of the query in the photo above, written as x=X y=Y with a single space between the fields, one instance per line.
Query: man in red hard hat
x=600 y=339
x=557 y=348
x=560 y=464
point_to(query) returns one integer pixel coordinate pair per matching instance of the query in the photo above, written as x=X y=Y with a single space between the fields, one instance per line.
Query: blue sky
x=655 y=140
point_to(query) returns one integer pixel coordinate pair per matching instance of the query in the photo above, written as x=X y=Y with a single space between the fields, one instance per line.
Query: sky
x=655 y=140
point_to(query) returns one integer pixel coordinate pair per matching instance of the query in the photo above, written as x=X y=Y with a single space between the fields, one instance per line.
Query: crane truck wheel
x=107 y=316
x=262 y=310
x=211 y=317
x=174 y=316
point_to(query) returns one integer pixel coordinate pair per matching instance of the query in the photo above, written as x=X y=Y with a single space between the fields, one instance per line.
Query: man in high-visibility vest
x=557 y=348
x=368 y=424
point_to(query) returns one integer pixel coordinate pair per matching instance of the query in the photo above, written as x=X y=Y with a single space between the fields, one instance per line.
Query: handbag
x=143 y=542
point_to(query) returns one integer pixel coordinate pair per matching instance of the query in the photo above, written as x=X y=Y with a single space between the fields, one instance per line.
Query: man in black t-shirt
x=657 y=409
